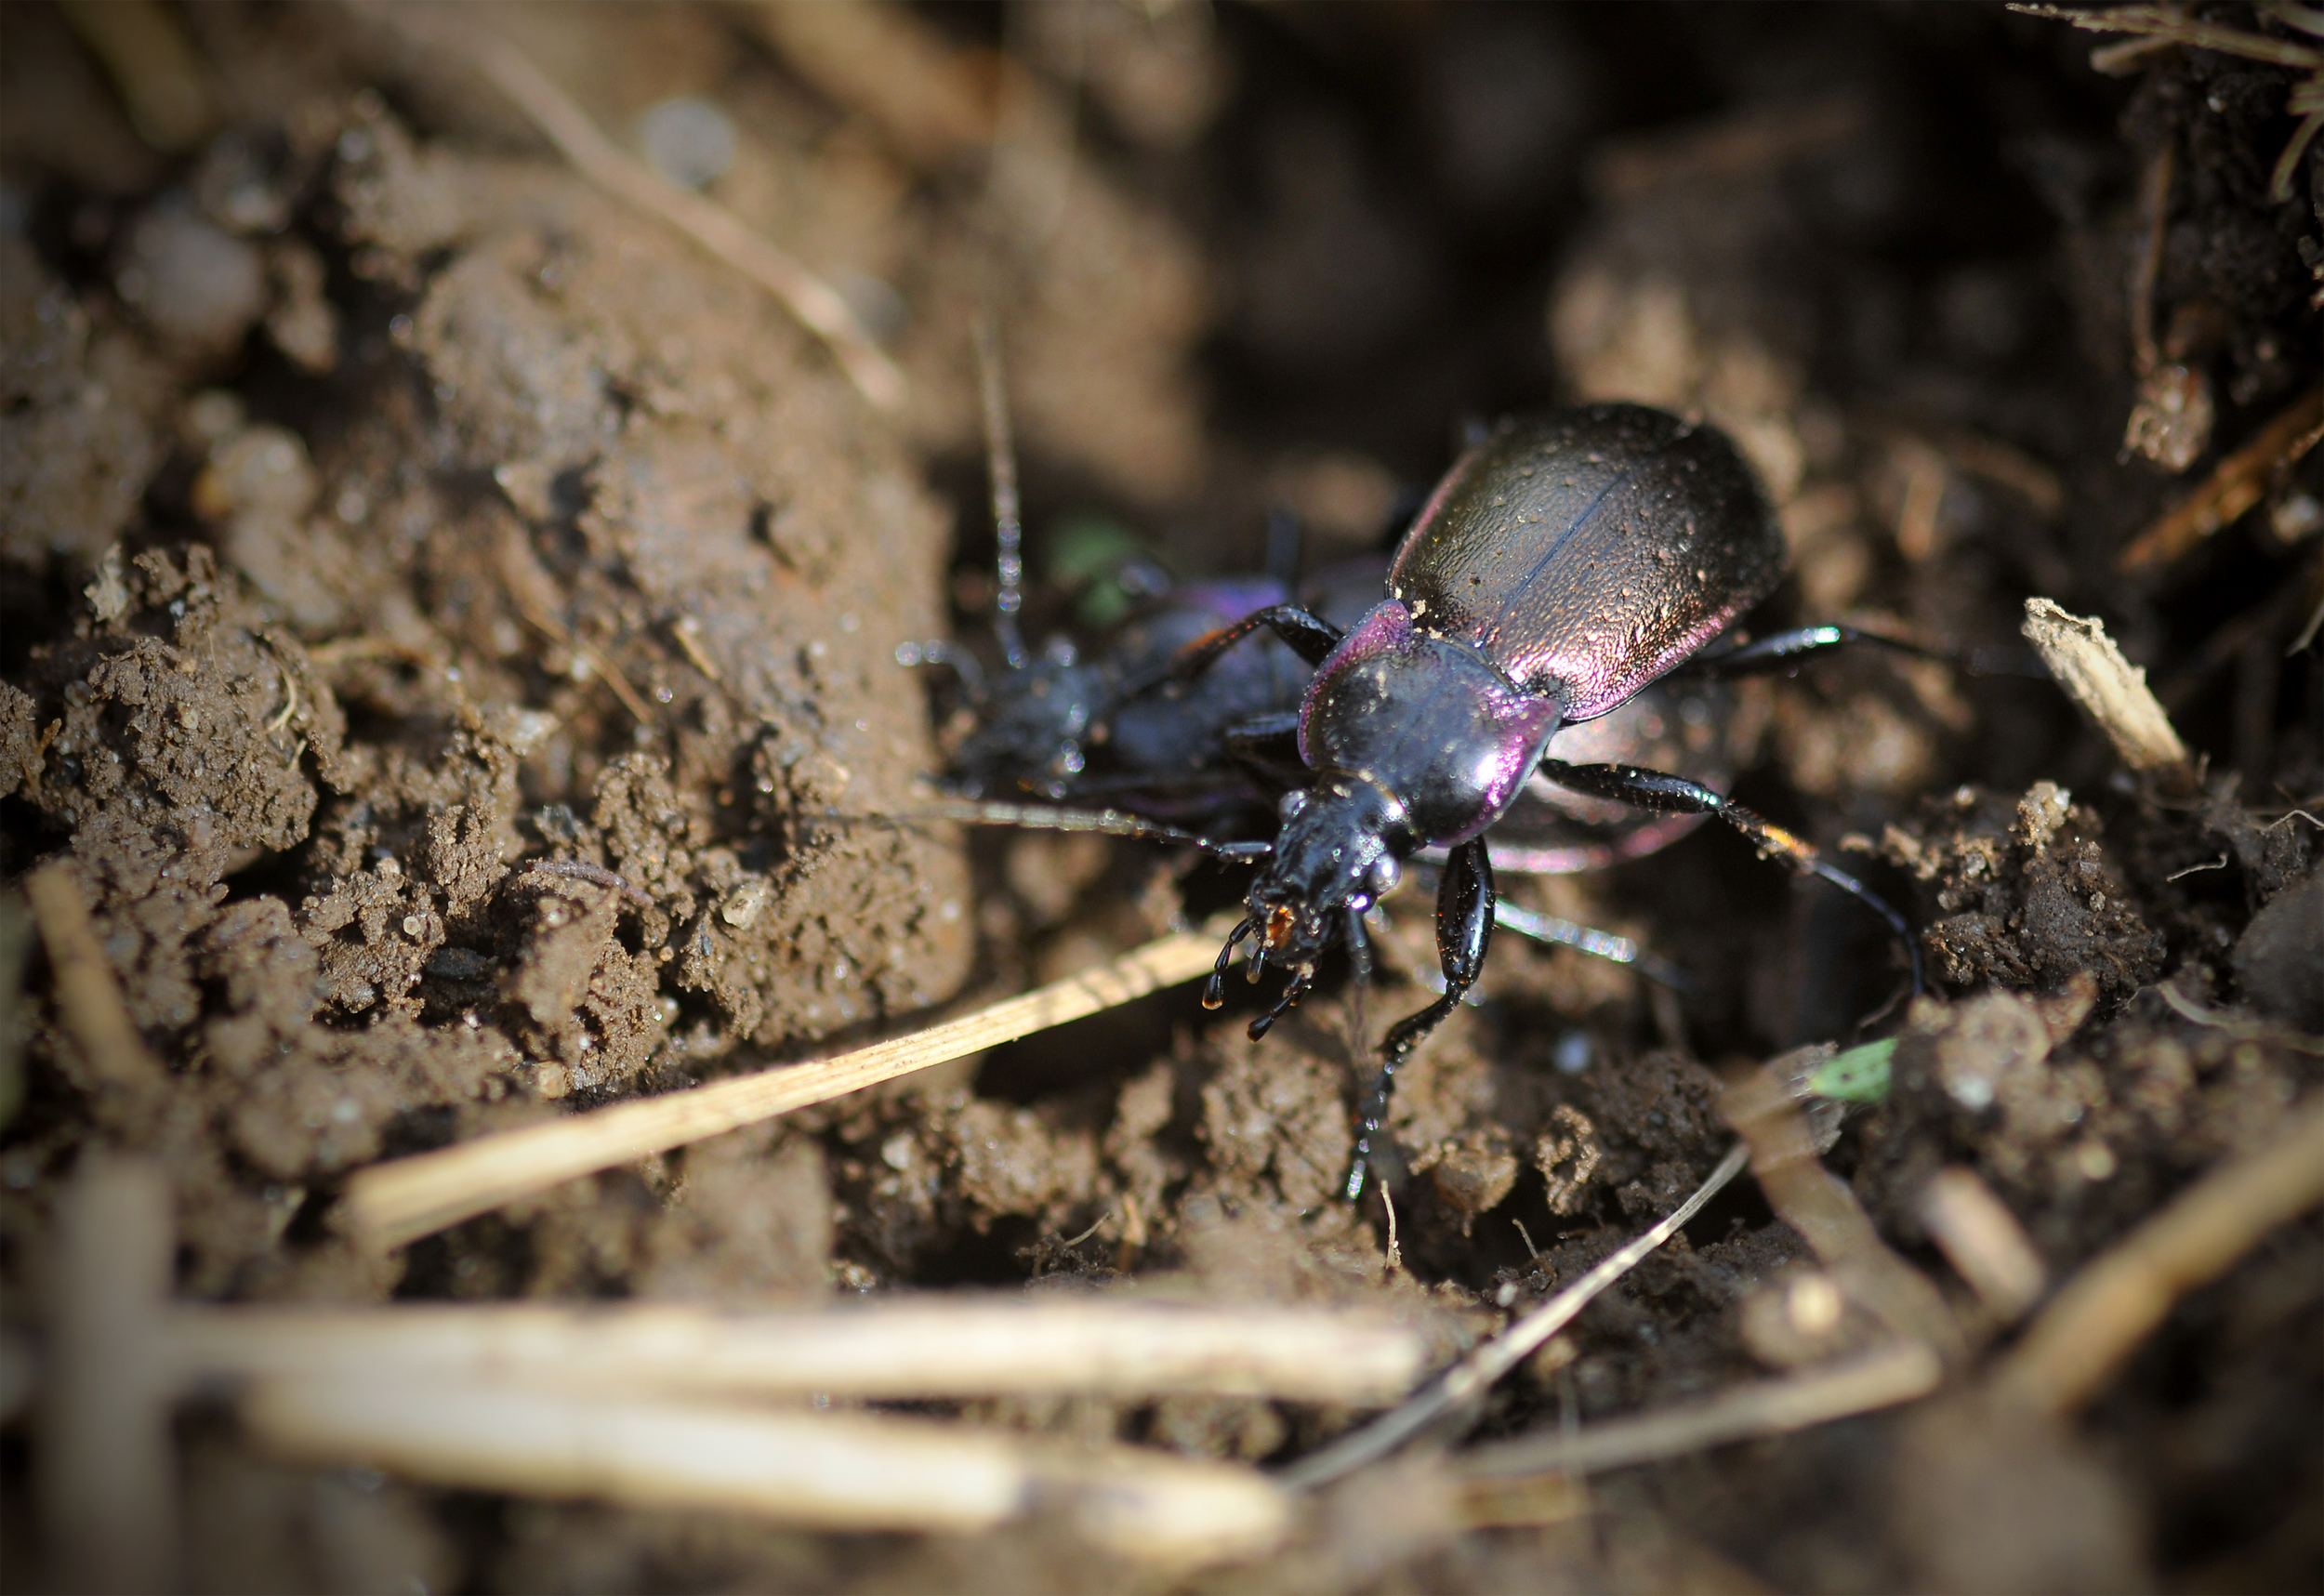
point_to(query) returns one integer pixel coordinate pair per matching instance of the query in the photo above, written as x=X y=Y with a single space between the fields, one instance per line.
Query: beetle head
x=1339 y=848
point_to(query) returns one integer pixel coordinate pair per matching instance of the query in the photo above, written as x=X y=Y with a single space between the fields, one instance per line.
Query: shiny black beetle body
x=1565 y=563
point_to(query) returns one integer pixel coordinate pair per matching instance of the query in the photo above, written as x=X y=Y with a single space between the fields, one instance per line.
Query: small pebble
x=690 y=141
x=2280 y=958
x=197 y=286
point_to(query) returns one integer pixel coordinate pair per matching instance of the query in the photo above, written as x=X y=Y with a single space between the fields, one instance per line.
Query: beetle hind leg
x=1659 y=793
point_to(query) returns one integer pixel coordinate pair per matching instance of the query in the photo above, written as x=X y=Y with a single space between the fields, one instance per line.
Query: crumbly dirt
x=447 y=623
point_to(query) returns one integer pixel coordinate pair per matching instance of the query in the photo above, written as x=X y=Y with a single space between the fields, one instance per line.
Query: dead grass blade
x=2235 y=485
x=106 y=1469
x=1886 y=1378
x=161 y=78
x=87 y=996
x=942 y=1347
x=824 y=1470
x=390 y=1205
x=1982 y=1241
x=1459 y=1389
x=2112 y=692
x=1826 y=1213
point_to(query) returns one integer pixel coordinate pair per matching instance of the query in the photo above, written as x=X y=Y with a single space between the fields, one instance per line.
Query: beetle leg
x=1042 y=817
x=1293 y=990
x=1310 y=636
x=1464 y=929
x=1214 y=989
x=940 y=652
x=1268 y=737
x=1267 y=746
x=1659 y=793
x=1554 y=932
x=1781 y=649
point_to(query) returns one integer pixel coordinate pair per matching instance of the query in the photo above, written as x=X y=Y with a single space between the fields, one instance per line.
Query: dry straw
x=390 y=1204
x=2111 y=691
x=938 y=1347
x=821 y=1470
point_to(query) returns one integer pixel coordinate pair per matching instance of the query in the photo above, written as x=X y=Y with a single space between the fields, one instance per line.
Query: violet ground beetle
x=1563 y=565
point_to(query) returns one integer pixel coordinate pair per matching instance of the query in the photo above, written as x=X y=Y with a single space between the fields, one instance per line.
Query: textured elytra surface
x=1586 y=552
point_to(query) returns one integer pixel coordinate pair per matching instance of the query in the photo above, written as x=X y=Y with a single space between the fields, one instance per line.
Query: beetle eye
x=1382 y=877
x=1291 y=803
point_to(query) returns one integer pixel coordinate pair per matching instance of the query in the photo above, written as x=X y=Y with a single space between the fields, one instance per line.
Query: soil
x=446 y=620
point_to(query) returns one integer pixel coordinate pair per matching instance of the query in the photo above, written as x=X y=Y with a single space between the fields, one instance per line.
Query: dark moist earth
x=440 y=611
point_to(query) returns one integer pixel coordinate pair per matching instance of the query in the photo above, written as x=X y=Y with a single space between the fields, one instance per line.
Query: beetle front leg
x=1658 y=792
x=1465 y=930
x=1309 y=636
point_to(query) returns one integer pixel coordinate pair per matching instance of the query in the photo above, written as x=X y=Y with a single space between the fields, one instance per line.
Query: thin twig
x=1460 y=1389
x=392 y=1203
x=595 y=875
x=2111 y=691
x=1884 y=1379
x=1982 y=1241
x=106 y=1478
x=2245 y=1030
x=2178 y=27
x=1729 y=148
x=947 y=1347
x=816 y=305
x=2235 y=485
x=2153 y=204
x=2092 y=1327
x=1828 y=1216
x=926 y=98
x=851 y=1471
x=86 y=992
x=162 y=83
x=534 y=594
x=1000 y=458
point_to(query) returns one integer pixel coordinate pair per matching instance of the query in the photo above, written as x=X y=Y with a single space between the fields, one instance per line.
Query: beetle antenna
x=1360 y=980
x=1878 y=905
x=1042 y=817
x=1000 y=465
x=942 y=651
